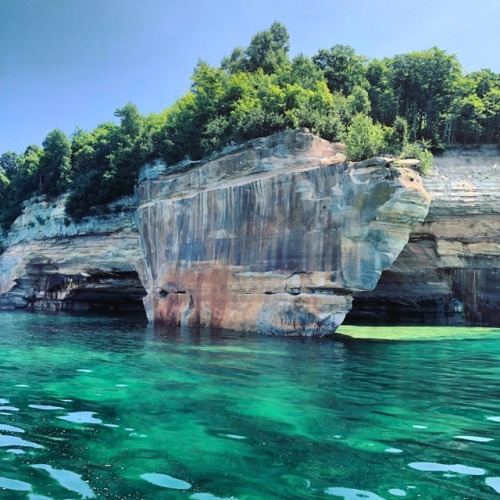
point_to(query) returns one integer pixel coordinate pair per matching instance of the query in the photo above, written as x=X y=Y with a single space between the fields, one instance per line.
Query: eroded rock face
x=448 y=274
x=274 y=235
x=54 y=263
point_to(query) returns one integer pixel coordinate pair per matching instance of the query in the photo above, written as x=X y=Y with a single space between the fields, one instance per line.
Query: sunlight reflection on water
x=113 y=408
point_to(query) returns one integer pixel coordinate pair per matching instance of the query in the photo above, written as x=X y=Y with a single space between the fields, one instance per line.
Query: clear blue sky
x=68 y=63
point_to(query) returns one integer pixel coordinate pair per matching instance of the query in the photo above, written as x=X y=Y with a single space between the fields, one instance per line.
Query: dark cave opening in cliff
x=116 y=292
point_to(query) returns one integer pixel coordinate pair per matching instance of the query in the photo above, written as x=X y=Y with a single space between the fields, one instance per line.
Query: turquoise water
x=103 y=407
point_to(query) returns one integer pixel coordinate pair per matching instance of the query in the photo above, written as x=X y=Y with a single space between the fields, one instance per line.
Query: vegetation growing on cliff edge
x=393 y=105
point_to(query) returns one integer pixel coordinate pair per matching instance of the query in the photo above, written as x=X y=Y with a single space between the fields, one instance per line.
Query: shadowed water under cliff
x=110 y=407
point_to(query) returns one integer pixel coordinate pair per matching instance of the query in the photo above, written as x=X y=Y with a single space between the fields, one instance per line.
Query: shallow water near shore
x=110 y=407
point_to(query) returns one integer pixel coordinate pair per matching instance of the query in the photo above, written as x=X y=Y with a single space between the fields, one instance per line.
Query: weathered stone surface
x=449 y=271
x=54 y=263
x=274 y=235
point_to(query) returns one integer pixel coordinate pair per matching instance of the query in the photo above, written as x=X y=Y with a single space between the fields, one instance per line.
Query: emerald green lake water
x=109 y=407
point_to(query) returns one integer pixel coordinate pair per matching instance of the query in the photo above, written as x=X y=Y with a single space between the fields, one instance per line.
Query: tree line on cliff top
x=402 y=105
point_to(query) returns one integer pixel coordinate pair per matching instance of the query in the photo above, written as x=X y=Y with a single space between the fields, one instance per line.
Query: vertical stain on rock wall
x=274 y=235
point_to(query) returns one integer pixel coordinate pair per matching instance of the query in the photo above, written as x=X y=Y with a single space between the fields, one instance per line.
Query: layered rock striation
x=274 y=236
x=51 y=262
x=448 y=274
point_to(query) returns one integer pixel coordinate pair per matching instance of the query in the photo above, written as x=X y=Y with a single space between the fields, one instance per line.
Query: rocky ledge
x=275 y=235
x=54 y=263
x=448 y=274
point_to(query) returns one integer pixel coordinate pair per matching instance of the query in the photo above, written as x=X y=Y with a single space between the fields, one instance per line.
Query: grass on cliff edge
x=416 y=332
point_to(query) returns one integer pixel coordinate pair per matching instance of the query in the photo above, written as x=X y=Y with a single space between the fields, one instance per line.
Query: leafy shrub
x=419 y=151
x=396 y=137
x=364 y=139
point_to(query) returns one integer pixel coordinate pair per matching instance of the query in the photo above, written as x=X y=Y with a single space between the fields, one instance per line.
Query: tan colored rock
x=54 y=263
x=449 y=271
x=274 y=235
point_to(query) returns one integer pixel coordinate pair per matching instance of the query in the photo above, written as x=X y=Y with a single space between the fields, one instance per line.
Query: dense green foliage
x=364 y=138
x=400 y=105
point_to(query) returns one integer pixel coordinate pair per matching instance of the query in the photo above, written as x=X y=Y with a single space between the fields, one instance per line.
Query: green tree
x=268 y=51
x=484 y=81
x=4 y=184
x=364 y=139
x=179 y=134
x=26 y=178
x=474 y=114
x=424 y=83
x=358 y=101
x=22 y=185
x=9 y=163
x=316 y=109
x=261 y=109
x=396 y=137
x=235 y=62
x=342 y=67
x=469 y=115
x=127 y=154
x=491 y=119
x=54 y=171
x=302 y=71
x=91 y=155
x=381 y=92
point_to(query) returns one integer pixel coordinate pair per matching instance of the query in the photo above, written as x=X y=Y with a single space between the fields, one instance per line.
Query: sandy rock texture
x=54 y=263
x=449 y=273
x=274 y=235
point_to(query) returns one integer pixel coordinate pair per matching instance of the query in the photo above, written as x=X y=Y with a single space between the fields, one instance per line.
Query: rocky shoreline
x=278 y=235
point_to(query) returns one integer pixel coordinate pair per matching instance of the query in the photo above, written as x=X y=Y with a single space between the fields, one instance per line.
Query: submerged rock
x=274 y=235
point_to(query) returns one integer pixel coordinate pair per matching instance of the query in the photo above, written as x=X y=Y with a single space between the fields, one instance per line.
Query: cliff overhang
x=53 y=263
x=448 y=273
x=273 y=236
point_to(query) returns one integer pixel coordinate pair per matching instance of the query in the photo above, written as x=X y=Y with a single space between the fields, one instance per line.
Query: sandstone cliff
x=449 y=271
x=51 y=262
x=274 y=235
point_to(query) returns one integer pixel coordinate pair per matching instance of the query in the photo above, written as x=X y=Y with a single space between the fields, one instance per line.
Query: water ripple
x=494 y=482
x=46 y=407
x=82 y=417
x=352 y=494
x=477 y=439
x=437 y=467
x=7 y=441
x=14 y=484
x=166 y=481
x=10 y=428
x=69 y=480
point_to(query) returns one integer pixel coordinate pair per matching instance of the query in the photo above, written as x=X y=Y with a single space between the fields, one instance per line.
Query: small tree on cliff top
x=364 y=138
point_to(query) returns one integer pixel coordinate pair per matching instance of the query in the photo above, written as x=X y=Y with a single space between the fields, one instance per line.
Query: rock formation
x=276 y=235
x=448 y=274
x=272 y=236
x=51 y=262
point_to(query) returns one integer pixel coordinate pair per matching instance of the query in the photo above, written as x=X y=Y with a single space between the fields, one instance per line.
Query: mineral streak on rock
x=274 y=235
x=448 y=274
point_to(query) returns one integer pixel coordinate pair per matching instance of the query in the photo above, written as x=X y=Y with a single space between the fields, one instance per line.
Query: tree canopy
x=400 y=105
